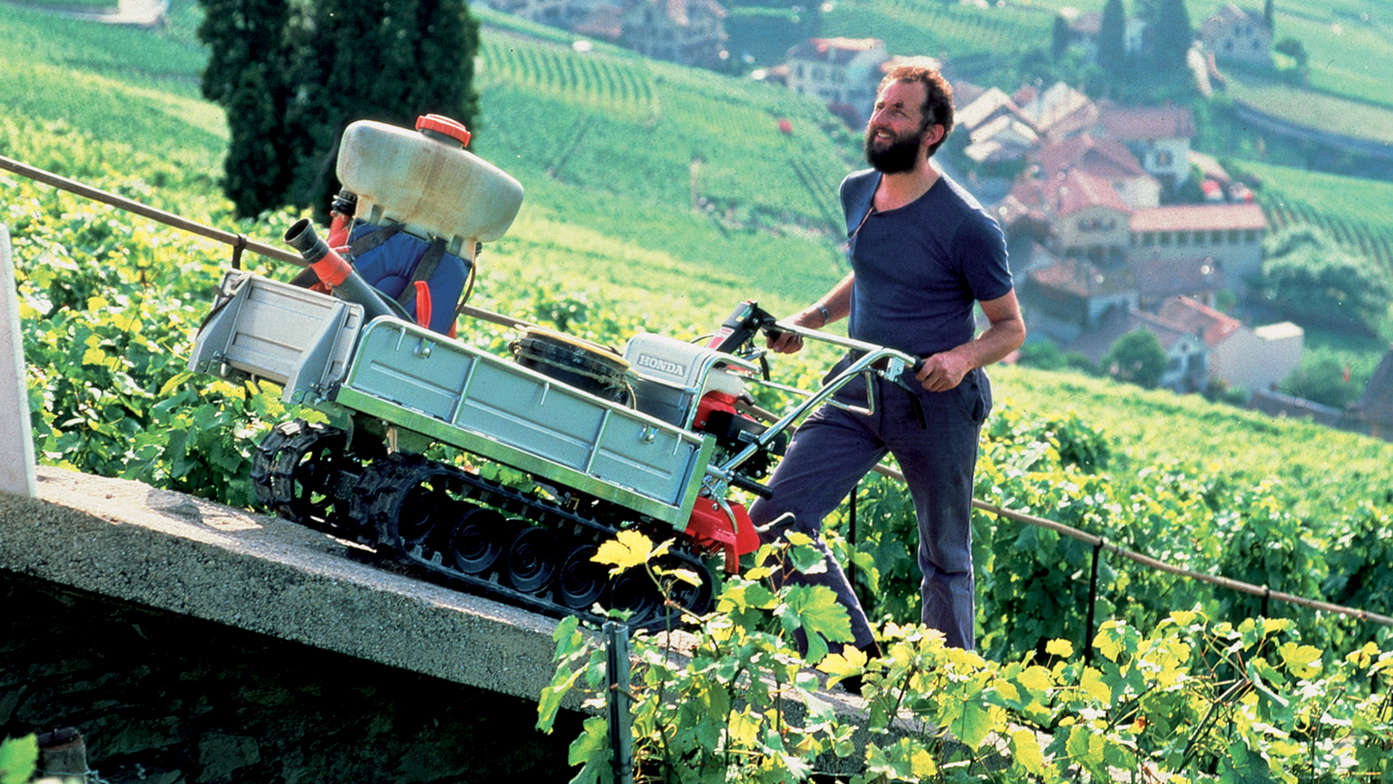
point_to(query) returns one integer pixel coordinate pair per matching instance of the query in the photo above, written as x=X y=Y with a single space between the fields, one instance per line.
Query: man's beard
x=901 y=155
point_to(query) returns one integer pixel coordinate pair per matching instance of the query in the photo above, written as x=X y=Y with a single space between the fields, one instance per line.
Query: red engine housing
x=712 y=528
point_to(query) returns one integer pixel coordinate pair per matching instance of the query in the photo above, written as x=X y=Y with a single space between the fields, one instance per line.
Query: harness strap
x=374 y=239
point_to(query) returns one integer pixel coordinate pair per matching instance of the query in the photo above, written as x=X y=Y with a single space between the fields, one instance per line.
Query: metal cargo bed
x=456 y=394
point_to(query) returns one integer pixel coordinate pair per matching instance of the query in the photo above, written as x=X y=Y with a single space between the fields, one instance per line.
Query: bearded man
x=923 y=252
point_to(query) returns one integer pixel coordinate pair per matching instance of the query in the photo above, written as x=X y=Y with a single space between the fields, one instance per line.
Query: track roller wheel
x=531 y=562
x=635 y=592
x=581 y=581
x=475 y=542
x=407 y=499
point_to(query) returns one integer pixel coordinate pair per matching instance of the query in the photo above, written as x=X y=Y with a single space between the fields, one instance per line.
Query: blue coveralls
x=918 y=270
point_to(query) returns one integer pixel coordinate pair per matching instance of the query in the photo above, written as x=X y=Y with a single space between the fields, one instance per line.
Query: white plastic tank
x=427 y=180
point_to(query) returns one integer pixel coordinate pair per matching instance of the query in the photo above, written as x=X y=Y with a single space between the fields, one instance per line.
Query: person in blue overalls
x=923 y=252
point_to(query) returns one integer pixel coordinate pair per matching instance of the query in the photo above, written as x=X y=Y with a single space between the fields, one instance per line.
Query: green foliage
x=108 y=306
x=1047 y=355
x=1207 y=701
x=1059 y=37
x=1321 y=378
x=19 y=758
x=763 y=33
x=1136 y=358
x=1313 y=280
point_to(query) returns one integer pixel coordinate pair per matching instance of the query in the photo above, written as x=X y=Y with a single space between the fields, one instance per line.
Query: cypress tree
x=292 y=78
x=245 y=75
x=1059 y=40
x=387 y=60
x=1112 y=44
x=1168 y=22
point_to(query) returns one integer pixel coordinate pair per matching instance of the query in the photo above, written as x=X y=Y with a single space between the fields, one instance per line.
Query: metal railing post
x=620 y=722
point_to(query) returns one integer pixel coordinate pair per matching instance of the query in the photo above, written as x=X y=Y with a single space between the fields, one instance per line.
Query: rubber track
x=366 y=502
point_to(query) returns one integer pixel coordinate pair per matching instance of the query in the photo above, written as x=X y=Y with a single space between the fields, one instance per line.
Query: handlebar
x=913 y=363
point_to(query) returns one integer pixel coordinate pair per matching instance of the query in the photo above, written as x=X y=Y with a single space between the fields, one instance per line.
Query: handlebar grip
x=751 y=485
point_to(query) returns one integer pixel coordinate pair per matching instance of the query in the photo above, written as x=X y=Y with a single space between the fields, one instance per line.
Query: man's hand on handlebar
x=942 y=371
x=787 y=342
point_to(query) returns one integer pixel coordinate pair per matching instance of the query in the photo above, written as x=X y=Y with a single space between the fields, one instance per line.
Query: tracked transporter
x=654 y=437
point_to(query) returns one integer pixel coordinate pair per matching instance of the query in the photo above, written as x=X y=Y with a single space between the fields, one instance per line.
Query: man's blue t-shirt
x=920 y=268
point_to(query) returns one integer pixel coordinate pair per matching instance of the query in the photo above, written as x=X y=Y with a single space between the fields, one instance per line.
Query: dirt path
x=138 y=13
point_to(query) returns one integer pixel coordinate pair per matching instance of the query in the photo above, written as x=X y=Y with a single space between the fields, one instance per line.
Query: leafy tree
x=1136 y=358
x=1314 y=280
x=1112 y=32
x=292 y=78
x=1322 y=380
x=245 y=74
x=1268 y=16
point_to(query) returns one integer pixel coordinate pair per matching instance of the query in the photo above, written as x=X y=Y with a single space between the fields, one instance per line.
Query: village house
x=1104 y=159
x=1187 y=356
x=1090 y=218
x=1056 y=112
x=1075 y=295
x=1238 y=357
x=997 y=129
x=691 y=32
x=1237 y=34
x=843 y=72
x=1159 y=136
x=1230 y=234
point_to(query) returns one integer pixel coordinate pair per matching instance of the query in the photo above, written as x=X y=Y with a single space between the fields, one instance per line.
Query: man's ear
x=932 y=136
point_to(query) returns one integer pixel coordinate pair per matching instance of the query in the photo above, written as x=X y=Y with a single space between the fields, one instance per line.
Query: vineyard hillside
x=657 y=198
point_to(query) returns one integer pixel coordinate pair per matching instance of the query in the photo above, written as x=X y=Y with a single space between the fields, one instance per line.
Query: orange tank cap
x=442 y=124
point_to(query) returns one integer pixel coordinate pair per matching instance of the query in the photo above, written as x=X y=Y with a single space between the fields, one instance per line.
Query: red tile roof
x=1099 y=157
x=1199 y=319
x=1199 y=217
x=1147 y=122
x=1080 y=190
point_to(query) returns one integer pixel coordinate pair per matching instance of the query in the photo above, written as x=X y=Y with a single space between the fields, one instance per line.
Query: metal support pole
x=1092 y=600
x=620 y=722
x=16 y=461
x=851 y=540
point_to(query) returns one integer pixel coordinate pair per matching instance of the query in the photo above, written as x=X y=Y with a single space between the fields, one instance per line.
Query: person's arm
x=945 y=370
x=833 y=305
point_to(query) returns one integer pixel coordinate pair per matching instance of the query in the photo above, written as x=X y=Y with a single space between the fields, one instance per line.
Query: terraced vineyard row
x=610 y=84
x=934 y=28
x=1373 y=241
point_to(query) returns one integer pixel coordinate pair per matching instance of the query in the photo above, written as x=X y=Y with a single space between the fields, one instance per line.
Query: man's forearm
x=995 y=343
x=837 y=301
